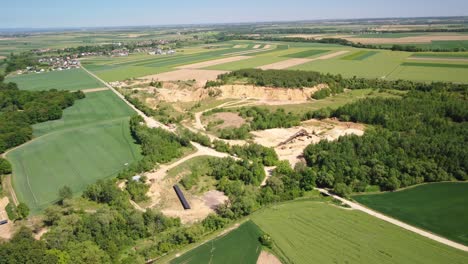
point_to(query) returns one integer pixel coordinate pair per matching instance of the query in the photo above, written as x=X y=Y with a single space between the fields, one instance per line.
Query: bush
x=266 y=240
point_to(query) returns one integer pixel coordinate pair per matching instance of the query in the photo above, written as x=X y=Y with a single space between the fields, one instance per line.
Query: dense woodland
x=419 y=138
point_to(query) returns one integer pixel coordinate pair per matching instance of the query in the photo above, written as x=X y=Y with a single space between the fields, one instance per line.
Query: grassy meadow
x=92 y=141
x=71 y=80
x=438 y=207
x=239 y=246
x=314 y=232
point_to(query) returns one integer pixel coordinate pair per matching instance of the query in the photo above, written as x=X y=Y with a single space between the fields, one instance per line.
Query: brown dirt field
x=438 y=59
x=201 y=76
x=210 y=63
x=267 y=258
x=267 y=46
x=232 y=120
x=284 y=64
x=317 y=130
x=332 y=55
x=415 y=39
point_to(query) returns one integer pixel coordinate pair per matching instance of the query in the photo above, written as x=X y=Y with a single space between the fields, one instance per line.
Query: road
x=413 y=229
x=204 y=151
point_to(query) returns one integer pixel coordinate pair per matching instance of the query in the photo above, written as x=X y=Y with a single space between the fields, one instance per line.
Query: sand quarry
x=289 y=143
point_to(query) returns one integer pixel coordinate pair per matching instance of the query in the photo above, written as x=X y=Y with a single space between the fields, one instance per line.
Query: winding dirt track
x=416 y=230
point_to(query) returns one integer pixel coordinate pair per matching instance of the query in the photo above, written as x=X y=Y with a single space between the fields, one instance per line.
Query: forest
x=20 y=109
x=419 y=138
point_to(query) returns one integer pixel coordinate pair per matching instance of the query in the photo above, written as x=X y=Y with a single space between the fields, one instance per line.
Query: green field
x=314 y=232
x=437 y=65
x=360 y=55
x=439 y=208
x=306 y=54
x=238 y=246
x=92 y=141
x=444 y=55
x=76 y=79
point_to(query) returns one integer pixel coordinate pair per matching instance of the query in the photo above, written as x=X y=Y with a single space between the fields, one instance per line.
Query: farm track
x=401 y=224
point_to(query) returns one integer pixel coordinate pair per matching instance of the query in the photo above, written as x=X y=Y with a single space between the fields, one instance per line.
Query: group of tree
x=20 y=61
x=416 y=139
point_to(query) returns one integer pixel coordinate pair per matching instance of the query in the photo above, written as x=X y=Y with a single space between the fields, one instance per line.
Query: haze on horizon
x=87 y=13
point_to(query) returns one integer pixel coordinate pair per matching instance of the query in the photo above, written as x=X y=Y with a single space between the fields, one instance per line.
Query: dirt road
x=416 y=230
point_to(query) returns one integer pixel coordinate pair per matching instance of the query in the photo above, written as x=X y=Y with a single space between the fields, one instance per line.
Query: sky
x=101 y=13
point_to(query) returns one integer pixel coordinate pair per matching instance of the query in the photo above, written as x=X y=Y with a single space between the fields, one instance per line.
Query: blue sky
x=97 y=13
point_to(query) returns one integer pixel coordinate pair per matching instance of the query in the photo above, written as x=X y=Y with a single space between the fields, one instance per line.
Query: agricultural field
x=239 y=246
x=314 y=232
x=92 y=141
x=71 y=80
x=445 y=214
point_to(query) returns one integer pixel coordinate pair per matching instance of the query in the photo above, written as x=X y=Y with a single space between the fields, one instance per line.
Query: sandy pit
x=201 y=76
x=405 y=40
x=267 y=258
x=6 y=230
x=289 y=143
x=210 y=63
x=266 y=94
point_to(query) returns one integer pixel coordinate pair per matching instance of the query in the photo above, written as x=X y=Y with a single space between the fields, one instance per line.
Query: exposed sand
x=267 y=258
x=414 y=39
x=6 y=230
x=298 y=61
x=240 y=46
x=2 y=57
x=210 y=63
x=437 y=59
x=201 y=76
x=268 y=94
x=256 y=46
x=291 y=148
x=267 y=46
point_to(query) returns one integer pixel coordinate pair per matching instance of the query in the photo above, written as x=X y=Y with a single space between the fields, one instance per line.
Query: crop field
x=358 y=62
x=438 y=207
x=314 y=232
x=436 y=65
x=306 y=54
x=360 y=55
x=441 y=55
x=75 y=79
x=238 y=246
x=92 y=141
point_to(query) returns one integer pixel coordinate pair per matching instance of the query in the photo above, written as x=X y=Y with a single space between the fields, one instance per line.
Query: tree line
x=419 y=138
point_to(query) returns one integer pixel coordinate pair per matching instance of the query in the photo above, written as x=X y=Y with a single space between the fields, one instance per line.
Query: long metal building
x=181 y=196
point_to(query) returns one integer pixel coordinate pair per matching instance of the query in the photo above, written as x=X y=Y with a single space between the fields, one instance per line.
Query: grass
x=76 y=79
x=238 y=246
x=314 y=232
x=438 y=207
x=306 y=54
x=360 y=55
x=388 y=35
x=437 y=65
x=92 y=141
x=444 y=55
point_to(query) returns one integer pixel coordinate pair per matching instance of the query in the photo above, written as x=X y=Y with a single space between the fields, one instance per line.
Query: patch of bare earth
x=6 y=230
x=201 y=76
x=210 y=63
x=414 y=39
x=232 y=120
x=289 y=143
x=267 y=258
x=256 y=46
